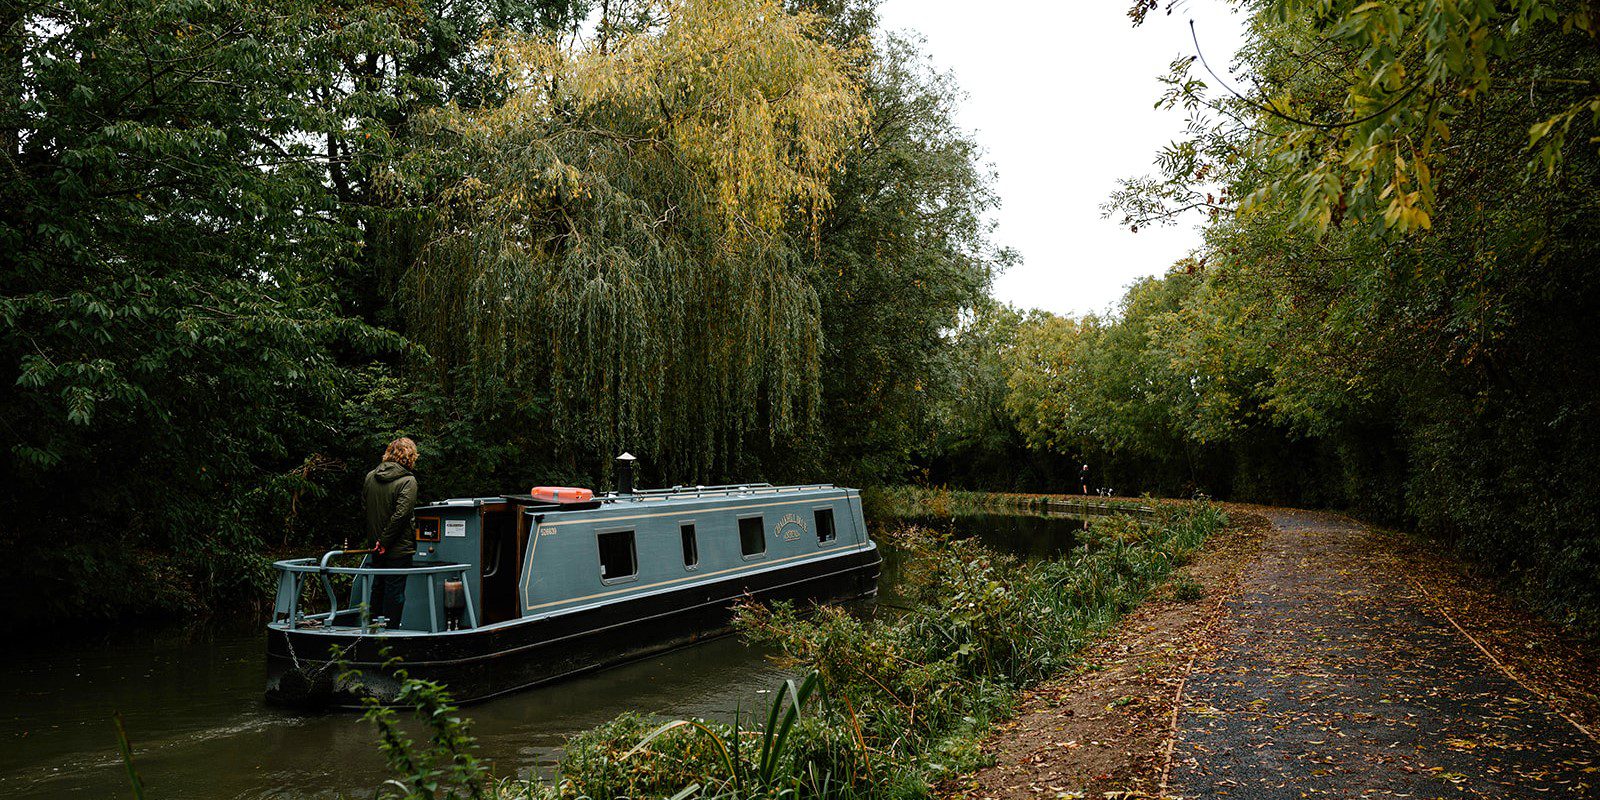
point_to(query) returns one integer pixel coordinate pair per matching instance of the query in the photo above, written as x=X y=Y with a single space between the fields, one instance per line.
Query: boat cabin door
x=504 y=537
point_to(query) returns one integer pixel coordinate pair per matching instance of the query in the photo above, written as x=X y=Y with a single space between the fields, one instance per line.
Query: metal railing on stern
x=295 y=572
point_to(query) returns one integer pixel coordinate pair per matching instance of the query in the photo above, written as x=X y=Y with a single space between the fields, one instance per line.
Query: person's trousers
x=389 y=591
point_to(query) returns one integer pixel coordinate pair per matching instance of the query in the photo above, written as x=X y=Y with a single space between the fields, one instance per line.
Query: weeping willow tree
x=624 y=234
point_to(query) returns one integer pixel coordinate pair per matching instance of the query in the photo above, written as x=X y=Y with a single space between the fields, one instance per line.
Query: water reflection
x=1029 y=537
x=191 y=700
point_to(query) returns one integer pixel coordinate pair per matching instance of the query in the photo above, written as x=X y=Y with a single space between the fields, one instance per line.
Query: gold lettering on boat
x=791 y=527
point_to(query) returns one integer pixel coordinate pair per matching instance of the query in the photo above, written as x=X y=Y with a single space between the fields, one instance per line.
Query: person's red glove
x=380 y=549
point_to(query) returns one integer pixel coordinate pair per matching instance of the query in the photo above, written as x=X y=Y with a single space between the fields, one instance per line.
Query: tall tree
x=906 y=250
x=626 y=230
x=167 y=318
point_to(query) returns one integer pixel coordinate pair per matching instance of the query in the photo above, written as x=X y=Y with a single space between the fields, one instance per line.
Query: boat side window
x=753 y=537
x=691 y=548
x=825 y=532
x=618 y=559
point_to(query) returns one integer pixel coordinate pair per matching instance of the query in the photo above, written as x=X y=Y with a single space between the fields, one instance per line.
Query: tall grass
x=125 y=749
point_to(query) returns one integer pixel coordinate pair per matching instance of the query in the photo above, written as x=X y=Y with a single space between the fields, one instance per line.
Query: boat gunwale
x=754 y=569
x=415 y=636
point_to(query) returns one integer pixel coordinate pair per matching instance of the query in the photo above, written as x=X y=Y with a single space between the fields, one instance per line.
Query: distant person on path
x=1083 y=478
x=391 y=498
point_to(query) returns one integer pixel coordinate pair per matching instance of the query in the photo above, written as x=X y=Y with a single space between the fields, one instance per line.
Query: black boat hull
x=477 y=665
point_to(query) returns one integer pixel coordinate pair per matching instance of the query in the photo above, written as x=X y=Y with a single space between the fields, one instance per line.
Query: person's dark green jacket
x=391 y=497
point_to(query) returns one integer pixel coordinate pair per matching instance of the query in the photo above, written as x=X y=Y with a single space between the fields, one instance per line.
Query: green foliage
x=888 y=503
x=738 y=338
x=166 y=321
x=793 y=755
x=1356 y=103
x=976 y=441
x=624 y=230
x=1187 y=590
x=445 y=766
x=767 y=770
x=1074 y=382
x=903 y=257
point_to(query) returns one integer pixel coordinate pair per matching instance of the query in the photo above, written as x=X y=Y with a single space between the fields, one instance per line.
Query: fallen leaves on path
x=1328 y=660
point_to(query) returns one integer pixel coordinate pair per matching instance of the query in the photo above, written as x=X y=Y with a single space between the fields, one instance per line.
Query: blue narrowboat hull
x=478 y=664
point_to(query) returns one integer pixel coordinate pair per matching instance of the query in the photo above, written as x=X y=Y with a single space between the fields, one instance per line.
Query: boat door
x=501 y=562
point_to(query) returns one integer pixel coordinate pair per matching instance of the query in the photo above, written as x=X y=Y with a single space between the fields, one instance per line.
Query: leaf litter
x=1329 y=660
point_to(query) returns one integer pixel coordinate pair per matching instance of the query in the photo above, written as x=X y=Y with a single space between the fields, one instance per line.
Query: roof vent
x=625 y=473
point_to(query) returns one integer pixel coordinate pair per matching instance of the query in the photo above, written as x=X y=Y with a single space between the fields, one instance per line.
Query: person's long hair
x=402 y=451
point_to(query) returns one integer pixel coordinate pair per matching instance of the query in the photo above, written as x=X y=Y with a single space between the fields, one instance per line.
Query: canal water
x=191 y=701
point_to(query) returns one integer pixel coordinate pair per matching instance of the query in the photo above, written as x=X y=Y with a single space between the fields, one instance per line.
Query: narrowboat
x=514 y=591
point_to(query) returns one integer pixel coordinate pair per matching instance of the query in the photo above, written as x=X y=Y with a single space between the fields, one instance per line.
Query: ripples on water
x=191 y=700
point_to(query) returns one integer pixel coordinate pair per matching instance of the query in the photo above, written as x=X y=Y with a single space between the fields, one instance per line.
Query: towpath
x=1327 y=660
x=1337 y=674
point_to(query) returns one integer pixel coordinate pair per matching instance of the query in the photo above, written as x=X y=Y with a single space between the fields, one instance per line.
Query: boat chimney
x=625 y=473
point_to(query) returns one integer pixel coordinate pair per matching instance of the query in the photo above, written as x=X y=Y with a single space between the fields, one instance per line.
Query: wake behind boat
x=513 y=591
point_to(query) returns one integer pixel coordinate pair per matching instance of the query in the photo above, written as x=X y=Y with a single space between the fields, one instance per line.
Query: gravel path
x=1335 y=676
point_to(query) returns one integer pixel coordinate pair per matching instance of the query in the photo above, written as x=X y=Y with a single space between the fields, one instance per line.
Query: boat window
x=491 y=549
x=691 y=548
x=752 y=536
x=618 y=561
x=825 y=531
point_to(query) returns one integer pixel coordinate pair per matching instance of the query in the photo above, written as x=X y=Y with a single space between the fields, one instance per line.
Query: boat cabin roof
x=675 y=496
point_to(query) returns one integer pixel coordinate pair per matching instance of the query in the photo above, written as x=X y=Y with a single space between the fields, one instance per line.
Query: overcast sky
x=1061 y=94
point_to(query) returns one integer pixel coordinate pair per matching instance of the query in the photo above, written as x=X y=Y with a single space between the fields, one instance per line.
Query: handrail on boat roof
x=678 y=492
x=673 y=493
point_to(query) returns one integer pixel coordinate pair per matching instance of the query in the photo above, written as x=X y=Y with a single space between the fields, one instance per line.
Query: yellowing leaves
x=742 y=100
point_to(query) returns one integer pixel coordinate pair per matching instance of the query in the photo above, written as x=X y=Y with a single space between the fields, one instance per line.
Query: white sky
x=1061 y=94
